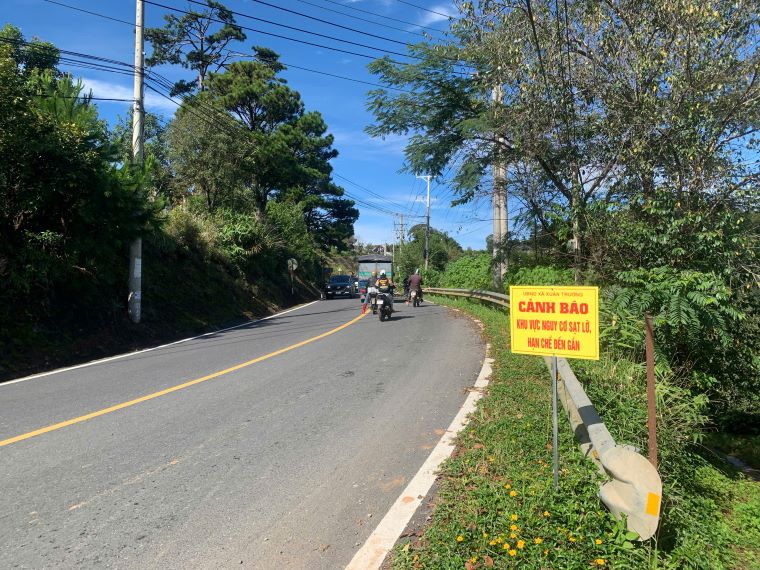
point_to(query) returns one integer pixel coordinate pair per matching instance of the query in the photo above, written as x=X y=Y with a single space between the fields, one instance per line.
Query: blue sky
x=371 y=164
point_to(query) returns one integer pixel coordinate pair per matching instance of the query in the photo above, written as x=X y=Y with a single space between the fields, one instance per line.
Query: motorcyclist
x=385 y=285
x=406 y=289
x=415 y=284
x=371 y=288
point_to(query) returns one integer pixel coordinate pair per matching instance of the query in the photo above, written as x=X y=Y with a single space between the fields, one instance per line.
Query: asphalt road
x=287 y=462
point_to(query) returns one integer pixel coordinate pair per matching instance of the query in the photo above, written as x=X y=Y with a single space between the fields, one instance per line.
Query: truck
x=376 y=263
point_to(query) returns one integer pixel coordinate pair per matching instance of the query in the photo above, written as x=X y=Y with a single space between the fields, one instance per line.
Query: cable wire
x=132 y=24
x=449 y=16
x=384 y=16
x=358 y=44
x=295 y=12
x=359 y=18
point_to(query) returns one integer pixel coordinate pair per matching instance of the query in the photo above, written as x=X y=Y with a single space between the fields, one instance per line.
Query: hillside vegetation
x=235 y=184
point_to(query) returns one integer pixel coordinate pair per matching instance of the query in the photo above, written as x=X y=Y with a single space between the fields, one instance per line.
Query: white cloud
x=153 y=101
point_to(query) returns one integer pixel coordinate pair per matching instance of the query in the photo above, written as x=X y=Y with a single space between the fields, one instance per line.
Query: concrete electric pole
x=135 y=248
x=427 y=220
x=500 y=213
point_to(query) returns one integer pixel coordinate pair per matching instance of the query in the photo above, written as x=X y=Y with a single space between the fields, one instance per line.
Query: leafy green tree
x=29 y=56
x=328 y=216
x=155 y=150
x=604 y=101
x=630 y=127
x=197 y=41
x=206 y=153
x=286 y=146
x=442 y=250
x=67 y=212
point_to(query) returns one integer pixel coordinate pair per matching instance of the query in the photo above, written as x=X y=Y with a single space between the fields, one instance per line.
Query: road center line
x=176 y=388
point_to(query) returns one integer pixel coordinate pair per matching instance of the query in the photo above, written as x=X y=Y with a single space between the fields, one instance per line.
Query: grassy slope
x=497 y=491
x=184 y=293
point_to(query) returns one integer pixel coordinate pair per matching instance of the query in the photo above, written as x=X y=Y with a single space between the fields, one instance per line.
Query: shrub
x=471 y=271
x=539 y=275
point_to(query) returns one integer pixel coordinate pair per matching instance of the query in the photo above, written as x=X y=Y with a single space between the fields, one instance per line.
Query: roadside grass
x=496 y=506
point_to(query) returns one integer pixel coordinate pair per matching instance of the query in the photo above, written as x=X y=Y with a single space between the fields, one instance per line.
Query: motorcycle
x=384 y=305
x=372 y=296
x=416 y=298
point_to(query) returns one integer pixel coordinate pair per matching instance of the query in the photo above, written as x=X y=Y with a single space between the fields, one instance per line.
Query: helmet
x=382 y=272
x=417 y=271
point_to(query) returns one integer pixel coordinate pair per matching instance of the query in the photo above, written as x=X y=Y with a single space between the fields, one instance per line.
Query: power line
x=90 y=12
x=295 y=12
x=343 y=77
x=449 y=16
x=372 y=193
x=383 y=16
x=212 y=122
x=359 y=18
x=161 y=85
x=131 y=24
x=358 y=44
x=272 y=34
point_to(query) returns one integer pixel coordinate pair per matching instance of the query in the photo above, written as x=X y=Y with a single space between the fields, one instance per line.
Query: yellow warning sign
x=555 y=321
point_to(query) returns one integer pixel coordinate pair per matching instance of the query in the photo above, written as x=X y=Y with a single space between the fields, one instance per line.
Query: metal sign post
x=292 y=266
x=554 y=322
x=555 y=422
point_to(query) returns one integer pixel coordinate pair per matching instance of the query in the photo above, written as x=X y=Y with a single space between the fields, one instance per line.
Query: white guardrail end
x=635 y=487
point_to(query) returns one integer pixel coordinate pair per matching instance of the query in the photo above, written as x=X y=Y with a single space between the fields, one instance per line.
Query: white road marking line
x=381 y=541
x=118 y=356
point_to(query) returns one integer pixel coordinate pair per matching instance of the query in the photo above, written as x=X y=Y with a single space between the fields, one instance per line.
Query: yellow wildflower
x=474 y=559
x=546 y=513
x=514 y=517
x=538 y=540
x=460 y=538
x=514 y=527
x=520 y=544
x=598 y=541
x=513 y=493
x=512 y=535
x=506 y=546
x=600 y=561
x=485 y=535
x=513 y=552
x=507 y=486
x=571 y=538
x=499 y=540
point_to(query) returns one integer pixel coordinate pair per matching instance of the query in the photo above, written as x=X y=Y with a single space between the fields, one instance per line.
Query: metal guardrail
x=634 y=488
x=497 y=298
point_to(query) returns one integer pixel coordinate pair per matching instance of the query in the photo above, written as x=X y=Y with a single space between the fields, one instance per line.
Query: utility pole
x=427 y=220
x=135 y=248
x=500 y=213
